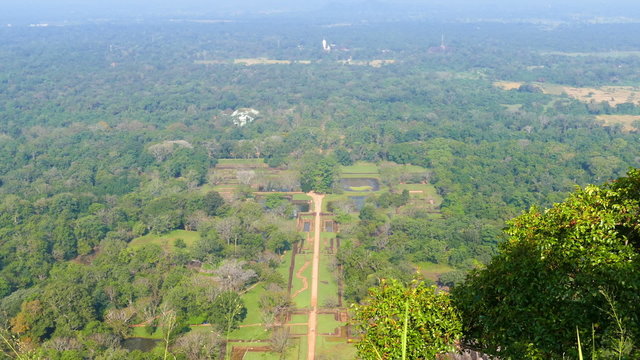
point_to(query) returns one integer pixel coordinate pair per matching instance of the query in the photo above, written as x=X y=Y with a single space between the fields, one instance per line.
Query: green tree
x=417 y=315
x=318 y=174
x=343 y=156
x=228 y=311
x=550 y=277
x=89 y=230
x=213 y=203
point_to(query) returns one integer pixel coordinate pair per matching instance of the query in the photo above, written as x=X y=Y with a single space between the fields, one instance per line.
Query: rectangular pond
x=360 y=184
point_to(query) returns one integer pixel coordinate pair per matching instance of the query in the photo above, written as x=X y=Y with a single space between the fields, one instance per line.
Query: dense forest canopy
x=116 y=136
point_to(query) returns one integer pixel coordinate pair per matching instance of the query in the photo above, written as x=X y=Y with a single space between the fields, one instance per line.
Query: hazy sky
x=74 y=9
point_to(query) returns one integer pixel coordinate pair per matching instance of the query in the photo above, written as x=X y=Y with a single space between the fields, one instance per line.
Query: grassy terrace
x=360 y=167
x=241 y=162
x=432 y=271
x=328 y=285
x=423 y=192
x=328 y=347
x=166 y=241
x=303 y=299
x=327 y=324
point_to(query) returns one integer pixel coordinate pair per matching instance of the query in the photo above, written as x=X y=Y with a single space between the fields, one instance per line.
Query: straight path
x=313 y=314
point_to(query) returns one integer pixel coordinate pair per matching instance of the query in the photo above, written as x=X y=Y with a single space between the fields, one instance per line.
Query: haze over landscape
x=59 y=10
x=319 y=180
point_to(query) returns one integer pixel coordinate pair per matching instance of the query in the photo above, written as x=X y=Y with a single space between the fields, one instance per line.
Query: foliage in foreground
x=432 y=324
x=576 y=264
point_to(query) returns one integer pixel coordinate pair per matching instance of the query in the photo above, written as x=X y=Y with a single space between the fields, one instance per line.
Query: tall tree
x=318 y=174
x=566 y=267
x=406 y=322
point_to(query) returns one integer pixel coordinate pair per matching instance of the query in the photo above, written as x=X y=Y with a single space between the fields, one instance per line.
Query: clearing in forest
x=432 y=271
x=508 y=85
x=614 y=95
x=600 y=54
x=166 y=241
x=261 y=61
x=628 y=122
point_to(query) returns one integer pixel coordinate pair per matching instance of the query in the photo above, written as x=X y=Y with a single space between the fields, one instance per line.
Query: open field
x=166 y=241
x=327 y=286
x=327 y=324
x=614 y=95
x=432 y=271
x=507 y=85
x=224 y=188
x=602 y=54
x=425 y=192
x=360 y=175
x=293 y=351
x=299 y=319
x=373 y=63
x=211 y=62
x=261 y=61
x=335 y=348
x=303 y=298
x=360 y=167
x=251 y=300
x=627 y=121
x=283 y=269
x=141 y=332
x=412 y=169
x=241 y=163
x=301 y=197
x=249 y=333
x=376 y=63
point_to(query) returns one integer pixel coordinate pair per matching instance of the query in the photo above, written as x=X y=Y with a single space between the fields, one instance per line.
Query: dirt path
x=305 y=283
x=313 y=314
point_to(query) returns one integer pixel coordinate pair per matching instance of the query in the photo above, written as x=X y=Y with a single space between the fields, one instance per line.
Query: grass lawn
x=292 y=352
x=141 y=332
x=251 y=300
x=413 y=169
x=327 y=235
x=166 y=241
x=303 y=300
x=360 y=167
x=301 y=197
x=247 y=333
x=261 y=355
x=428 y=192
x=302 y=348
x=219 y=188
x=427 y=188
x=299 y=318
x=299 y=329
x=360 y=176
x=327 y=323
x=361 y=188
x=329 y=347
x=236 y=162
x=283 y=268
x=327 y=285
x=195 y=320
x=433 y=271
x=250 y=333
